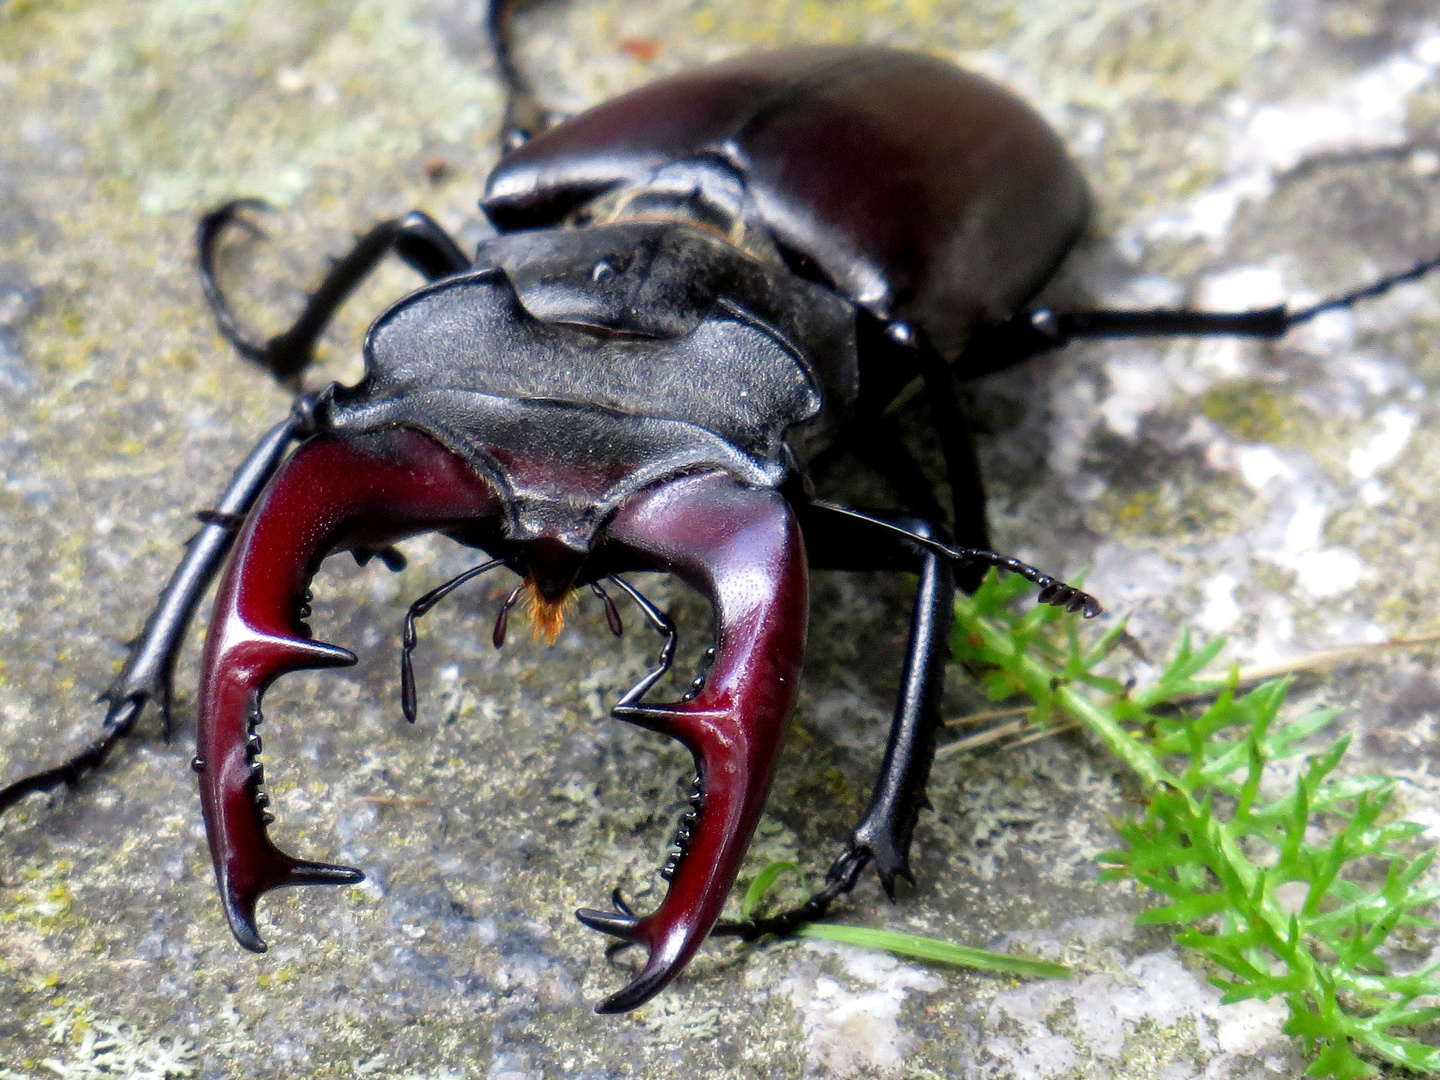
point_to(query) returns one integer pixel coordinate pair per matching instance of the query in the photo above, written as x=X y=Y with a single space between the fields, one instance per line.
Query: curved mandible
x=741 y=547
x=334 y=494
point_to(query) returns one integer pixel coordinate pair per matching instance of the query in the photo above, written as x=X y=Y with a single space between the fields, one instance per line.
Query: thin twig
x=1040 y=733
x=393 y=800
x=988 y=714
x=1257 y=673
x=984 y=738
x=1311 y=661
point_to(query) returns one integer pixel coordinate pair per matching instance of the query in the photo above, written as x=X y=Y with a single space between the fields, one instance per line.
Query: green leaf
x=1409 y=1052
x=761 y=885
x=1224 y=828
x=935 y=950
x=1338 y=1060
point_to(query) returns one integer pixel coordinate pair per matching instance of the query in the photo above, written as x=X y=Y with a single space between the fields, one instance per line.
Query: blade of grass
x=935 y=950
x=761 y=885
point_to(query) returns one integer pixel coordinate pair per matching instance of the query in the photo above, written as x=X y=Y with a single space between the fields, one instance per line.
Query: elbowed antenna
x=1053 y=591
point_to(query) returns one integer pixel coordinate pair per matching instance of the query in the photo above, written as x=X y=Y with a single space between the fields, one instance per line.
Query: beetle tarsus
x=524 y=116
x=118 y=723
x=1040 y=330
x=149 y=669
x=1365 y=292
x=207 y=241
x=839 y=881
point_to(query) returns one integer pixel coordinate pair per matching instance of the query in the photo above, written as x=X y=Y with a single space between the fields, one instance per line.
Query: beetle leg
x=892 y=357
x=962 y=471
x=524 y=116
x=334 y=494
x=1042 y=329
x=742 y=548
x=841 y=539
x=416 y=238
x=885 y=831
x=882 y=448
x=149 y=669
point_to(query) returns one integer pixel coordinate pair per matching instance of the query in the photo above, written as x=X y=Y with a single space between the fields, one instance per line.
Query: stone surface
x=1241 y=153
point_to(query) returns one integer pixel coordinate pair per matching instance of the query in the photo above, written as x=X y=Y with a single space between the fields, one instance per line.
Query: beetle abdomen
x=924 y=193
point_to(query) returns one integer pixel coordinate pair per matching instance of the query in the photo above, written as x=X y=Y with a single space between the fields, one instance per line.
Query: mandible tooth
x=615 y=923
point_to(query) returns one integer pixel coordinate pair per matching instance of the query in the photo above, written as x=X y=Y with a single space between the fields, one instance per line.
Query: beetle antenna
x=612 y=614
x=1365 y=292
x=1053 y=591
x=502 y=621
x=408 y=638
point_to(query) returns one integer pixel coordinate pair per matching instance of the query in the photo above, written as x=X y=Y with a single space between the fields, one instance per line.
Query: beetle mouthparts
x=546 y=614
x=333 y=494
x=742 y=548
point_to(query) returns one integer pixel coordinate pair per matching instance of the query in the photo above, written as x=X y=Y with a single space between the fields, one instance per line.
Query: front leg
x=885 y=831
x=149 y=670
x=840 y=539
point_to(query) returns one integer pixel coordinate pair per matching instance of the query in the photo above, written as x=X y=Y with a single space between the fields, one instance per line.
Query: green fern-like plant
x=1290 y=888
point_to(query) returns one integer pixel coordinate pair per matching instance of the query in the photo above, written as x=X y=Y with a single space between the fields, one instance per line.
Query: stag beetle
x=695 y=293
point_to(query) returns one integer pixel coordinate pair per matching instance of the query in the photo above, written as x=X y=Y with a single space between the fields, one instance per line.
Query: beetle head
x=738 y=545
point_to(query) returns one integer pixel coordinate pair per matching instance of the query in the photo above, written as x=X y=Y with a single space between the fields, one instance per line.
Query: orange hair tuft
x=547 y=617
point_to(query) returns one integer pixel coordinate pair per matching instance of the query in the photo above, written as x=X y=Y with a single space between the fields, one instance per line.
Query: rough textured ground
x=1241 y=153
